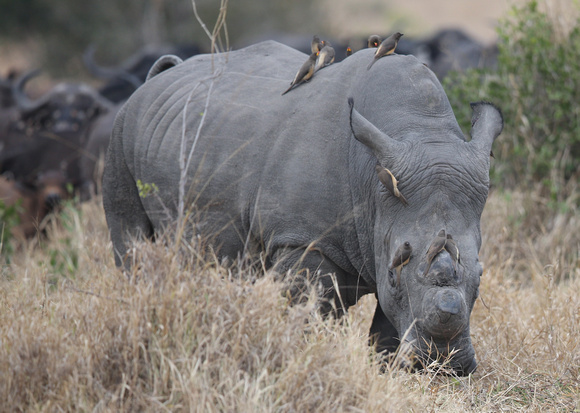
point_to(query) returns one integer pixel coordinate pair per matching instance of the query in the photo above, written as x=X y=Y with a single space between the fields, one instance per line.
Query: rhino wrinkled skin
x=295 y=175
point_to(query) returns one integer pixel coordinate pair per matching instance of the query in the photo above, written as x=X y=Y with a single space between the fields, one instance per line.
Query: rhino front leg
x=383 y=334
x=303 y=268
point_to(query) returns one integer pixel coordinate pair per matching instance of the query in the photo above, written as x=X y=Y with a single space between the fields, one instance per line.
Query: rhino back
x=280 y=167
x=262 y=160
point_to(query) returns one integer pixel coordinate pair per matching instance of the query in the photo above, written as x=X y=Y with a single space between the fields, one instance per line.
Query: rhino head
x=445 y=182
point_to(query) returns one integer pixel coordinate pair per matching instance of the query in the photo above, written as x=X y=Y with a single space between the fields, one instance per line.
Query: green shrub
x=537 y=86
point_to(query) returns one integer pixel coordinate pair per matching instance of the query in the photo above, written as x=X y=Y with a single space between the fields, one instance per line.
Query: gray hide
x=285 y=174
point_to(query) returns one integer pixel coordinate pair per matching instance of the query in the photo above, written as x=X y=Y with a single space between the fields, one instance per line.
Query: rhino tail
x=162 y=64
x=126 y=216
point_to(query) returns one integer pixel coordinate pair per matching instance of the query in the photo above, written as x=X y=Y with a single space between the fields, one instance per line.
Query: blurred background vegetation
x=537 y=86
x=77 y=334
x=65 y=28
x=536 y=82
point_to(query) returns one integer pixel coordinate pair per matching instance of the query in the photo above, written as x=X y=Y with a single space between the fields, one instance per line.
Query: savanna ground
x=186 y=334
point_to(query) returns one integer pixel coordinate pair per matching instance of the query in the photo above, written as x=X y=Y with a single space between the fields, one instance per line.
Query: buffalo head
x=67 y=108
x=53 y=131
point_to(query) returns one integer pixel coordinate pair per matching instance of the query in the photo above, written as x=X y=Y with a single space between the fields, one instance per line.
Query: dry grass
x=188 y=335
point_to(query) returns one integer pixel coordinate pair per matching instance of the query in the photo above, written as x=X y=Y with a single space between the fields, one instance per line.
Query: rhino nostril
x=444 y=317
x=448 y=305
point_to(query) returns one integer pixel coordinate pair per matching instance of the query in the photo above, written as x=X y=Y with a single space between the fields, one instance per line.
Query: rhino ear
x=486 y=125
x=382 y=145
x=162 y=64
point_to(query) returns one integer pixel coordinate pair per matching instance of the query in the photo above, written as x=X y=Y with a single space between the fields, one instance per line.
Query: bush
x=537 y=86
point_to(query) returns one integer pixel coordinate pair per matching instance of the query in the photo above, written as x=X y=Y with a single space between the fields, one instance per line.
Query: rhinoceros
x=294 y=177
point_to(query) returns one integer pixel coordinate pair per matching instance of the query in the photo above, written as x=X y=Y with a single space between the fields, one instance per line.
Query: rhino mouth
x=455 y=364
x=439 y=358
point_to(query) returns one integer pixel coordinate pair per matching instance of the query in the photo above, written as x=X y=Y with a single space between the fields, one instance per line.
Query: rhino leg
x=383 y=334
x=307 y=268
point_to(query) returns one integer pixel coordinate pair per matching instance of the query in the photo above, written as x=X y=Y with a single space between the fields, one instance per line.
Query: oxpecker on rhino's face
x=429 y=298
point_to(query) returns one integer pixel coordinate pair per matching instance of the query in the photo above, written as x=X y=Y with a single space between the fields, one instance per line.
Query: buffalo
x=124 y=79
x=51 y=132
x=44 y=148
x=95 y=148
x=450 y=50
x=32 y=203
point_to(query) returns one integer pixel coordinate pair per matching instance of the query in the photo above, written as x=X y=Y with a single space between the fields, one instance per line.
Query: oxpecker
x=401 y=258
x=451 y=248
x=386 y=48
x=435 y=248
x=325 y=57
x=305 y=72
x=390 y=182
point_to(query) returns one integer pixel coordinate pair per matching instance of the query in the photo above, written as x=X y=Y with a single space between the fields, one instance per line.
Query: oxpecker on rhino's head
x=444 y=181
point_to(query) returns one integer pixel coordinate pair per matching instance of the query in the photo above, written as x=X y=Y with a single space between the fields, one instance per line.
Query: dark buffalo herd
x=50 y=145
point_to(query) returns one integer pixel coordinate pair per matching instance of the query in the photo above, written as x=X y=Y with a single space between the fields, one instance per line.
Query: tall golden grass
x=187 y=334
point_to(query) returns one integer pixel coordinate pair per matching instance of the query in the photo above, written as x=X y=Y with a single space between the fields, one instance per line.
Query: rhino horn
x=486 y=125
x=385 y=148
